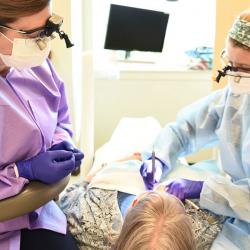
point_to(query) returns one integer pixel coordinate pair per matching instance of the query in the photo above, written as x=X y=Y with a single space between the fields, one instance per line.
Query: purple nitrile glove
x=48 y=167
x=151 y=175
x=65 y=145
x=184 y=189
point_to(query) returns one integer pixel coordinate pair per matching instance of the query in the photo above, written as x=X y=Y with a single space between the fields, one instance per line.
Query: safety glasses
x=53 y=25
x=38 y=32
x=226 y=62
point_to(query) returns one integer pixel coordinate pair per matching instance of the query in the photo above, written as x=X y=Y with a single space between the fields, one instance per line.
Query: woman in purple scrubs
x=35 y=134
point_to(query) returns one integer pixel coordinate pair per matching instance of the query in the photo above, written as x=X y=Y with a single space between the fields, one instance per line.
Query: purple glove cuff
x=63 y=145
x=25 y=170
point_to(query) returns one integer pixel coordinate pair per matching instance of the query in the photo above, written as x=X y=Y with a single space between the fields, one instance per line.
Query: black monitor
x=135 y=29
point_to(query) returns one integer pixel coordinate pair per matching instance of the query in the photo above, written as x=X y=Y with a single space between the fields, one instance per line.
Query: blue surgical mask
x=239 y=82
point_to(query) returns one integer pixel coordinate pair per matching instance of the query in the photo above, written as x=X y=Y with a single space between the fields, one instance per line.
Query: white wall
x=137 y=93
x=191 y=24
x=160 y=94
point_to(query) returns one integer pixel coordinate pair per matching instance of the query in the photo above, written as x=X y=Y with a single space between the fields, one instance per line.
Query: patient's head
x=157 y=221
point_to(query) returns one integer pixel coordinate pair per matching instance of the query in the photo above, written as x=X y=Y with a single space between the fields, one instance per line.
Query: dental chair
x=33 y=196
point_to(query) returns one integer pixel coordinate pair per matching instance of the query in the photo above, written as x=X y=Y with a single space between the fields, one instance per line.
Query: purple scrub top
x=33 y=116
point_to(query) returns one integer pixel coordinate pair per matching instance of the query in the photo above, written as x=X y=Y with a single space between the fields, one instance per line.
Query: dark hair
x=11 y=10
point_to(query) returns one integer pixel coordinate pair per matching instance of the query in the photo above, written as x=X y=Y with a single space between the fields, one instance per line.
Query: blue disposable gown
x=221 y=119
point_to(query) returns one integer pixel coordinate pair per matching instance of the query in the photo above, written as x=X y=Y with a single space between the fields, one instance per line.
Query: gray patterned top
x=94 y=218
x=93 y=215
x=206 y=225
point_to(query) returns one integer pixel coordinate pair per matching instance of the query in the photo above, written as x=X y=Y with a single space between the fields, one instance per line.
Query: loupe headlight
x=228 y=67
x=53 y=25
x=233 y=72
x=222 y=73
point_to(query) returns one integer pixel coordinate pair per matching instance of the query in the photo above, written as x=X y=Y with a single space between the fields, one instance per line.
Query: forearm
x=193 y=130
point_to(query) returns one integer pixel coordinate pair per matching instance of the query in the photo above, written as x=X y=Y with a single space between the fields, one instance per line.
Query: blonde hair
x=11 y=10
x=157 y=222
x=245 y=15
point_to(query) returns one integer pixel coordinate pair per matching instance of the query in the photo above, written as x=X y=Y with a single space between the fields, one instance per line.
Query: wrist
x=24 y=169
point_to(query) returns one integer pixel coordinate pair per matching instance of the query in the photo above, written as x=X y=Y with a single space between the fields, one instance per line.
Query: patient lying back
x=113 y=211
x=154 y=220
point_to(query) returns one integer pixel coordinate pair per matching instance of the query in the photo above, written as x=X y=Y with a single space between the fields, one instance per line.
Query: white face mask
x=26 y=53
x=239 y=83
